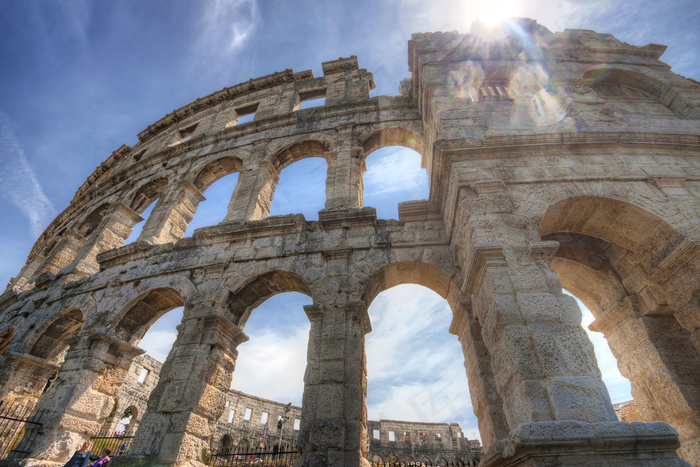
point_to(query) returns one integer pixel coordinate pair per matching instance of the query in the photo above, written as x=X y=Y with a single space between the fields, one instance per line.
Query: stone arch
x=608 y=249
x=226 y=444
x=411 y=272
x=606 y=218
x=133 y=419
x=623 y=224
x=621 y=76
x=251 y=294
x=145 y=310
x=50 y=336
x=394 y=136
x=148 y=193
x=299 y=150
x=457 y=462
x=215 y=170
x=665 y=93
x=93 y=220
x=244 y=443
x=539 y=202
x=585 y=271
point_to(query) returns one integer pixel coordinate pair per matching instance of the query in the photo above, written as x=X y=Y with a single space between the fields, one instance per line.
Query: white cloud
x=226 y=25
x=18 y=183
x=415 y=368
x=272 y=364
x=394 y=169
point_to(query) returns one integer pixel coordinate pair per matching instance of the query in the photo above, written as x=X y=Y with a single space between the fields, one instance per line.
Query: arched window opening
x=412 y=361
x=143 y=203
x=301 y=189
x=271 y=366
x=272 y=363
x=93 y=220
x=148 y=193
x=138 y=228
x=50 y=344
x=213 y=210
x=146 y=310
x=125 y=421
x=159 y=339
x=226 y=444
x=144 y=372
x=393 y=175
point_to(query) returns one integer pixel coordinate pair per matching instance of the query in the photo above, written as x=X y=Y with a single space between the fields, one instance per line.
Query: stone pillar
x=190 y=397
x=554 y=402
x=253 y=194
x=64 y=253
x=486 y=401
x=344 y=181
x=82 y=397
x=30 y=268
x=334 y=415
x=169 y=219
x=23 y=378
x=111 y=233
x=660 y=361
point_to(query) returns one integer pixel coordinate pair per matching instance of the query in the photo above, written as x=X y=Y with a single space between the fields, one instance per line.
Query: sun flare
x=494 y=12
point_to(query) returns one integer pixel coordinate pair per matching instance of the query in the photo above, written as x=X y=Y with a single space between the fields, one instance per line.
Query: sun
x=494 y=12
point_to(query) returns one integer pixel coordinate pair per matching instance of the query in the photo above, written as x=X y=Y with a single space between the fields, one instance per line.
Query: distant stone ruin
x=555 y=159
x=252 y=422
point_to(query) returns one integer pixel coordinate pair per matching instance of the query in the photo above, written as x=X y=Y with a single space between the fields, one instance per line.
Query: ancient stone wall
x=405 y=442
x=628 y=412
x=555 y=159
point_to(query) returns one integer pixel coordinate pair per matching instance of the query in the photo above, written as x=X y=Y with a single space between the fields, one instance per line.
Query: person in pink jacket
x=104 y=460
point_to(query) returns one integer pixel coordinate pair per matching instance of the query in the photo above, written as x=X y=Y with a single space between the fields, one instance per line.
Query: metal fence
x=425 y=463
x=19 y=427
x=240 y=457
x=117 y=445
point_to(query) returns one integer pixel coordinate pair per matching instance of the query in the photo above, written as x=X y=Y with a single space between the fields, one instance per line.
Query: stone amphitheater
x=555 y=159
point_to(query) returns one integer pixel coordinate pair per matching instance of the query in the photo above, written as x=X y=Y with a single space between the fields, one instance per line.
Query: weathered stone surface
x=562 y=159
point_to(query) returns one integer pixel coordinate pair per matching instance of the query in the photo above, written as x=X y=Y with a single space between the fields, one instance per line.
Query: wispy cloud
x=226 y=25
x=18 y=183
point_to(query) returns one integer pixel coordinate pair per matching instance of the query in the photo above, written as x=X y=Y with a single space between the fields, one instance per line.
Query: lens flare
x=494 y=12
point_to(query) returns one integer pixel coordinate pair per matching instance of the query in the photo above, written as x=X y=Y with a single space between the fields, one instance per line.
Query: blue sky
x=80 y=78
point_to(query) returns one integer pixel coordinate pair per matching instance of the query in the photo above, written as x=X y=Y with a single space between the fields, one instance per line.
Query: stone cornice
x=213 y=99
x=483 y=255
